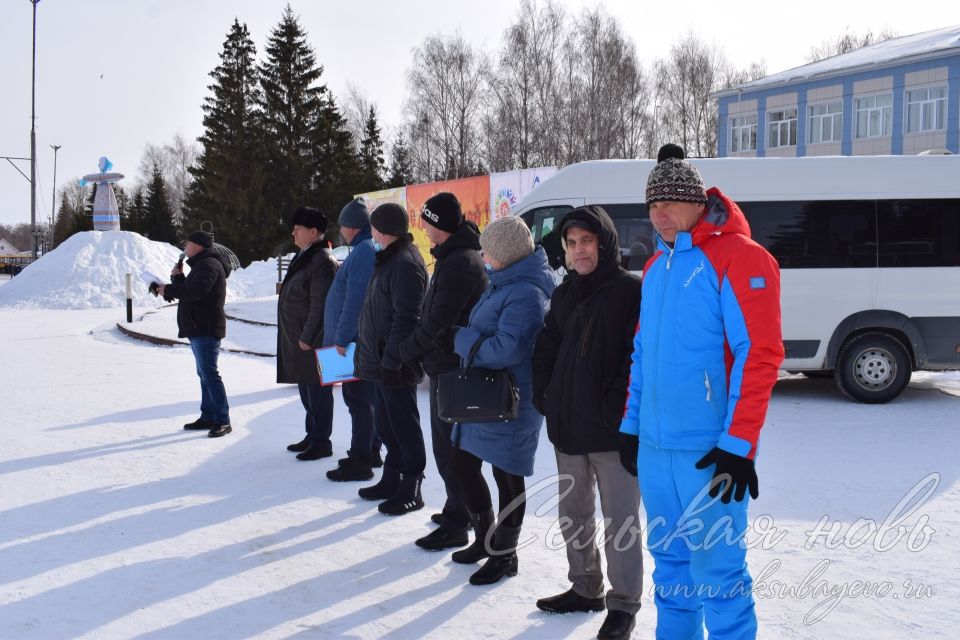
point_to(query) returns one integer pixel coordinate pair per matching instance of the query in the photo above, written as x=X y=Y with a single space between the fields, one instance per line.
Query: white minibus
x=868 y=247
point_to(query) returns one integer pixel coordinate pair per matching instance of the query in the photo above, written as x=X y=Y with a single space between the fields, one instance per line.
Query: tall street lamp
x=33 y=135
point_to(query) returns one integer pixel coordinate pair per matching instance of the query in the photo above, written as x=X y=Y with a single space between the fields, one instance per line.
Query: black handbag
x=475 y=394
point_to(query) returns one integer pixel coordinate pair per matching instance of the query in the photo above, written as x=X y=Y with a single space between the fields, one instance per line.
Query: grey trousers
x=620 y=503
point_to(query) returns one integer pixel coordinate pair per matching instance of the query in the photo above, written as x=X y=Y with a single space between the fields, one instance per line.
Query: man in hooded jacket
x=581 y=367
x=200 y=319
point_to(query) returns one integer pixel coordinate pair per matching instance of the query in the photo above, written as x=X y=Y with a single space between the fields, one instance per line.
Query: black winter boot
x=446 y=536
x=297 y=447
x=386 y=488
x=351 y=469
x=406 y=499
x=503 y=557
x=478 y=550
x=200 y=425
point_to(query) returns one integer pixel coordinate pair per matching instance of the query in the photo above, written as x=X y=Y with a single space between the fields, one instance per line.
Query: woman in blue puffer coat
x=509 y=315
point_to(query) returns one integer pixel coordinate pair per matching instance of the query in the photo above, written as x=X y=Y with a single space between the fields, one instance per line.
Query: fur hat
x=354 y=215
x=443 y=212
x=507 y=240
x=201 y=238
x=391 y=219
x=674 y=179
x=307 y=217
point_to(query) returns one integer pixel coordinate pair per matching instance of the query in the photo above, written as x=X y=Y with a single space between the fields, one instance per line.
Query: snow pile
x=257 y=280
x=89 y=270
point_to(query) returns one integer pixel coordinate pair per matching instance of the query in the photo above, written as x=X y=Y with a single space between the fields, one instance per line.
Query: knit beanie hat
x=443 y=212
x=507 y=240
x=391 y=219
x=354 y=215
x=310 y=218
x=201 y=238
x=674 y=179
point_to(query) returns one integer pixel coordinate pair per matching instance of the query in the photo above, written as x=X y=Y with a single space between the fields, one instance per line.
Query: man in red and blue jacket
x=706 y=355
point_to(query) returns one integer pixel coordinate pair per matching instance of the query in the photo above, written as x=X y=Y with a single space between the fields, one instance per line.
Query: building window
x=743 y=133
x=825 y=122
x=782 y=128
x=875 y=116
x=927 y=109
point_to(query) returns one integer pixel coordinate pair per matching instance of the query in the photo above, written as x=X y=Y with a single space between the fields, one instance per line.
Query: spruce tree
x=291 y=101
x=157 y=212
x=229 y=182
x=372 y=166
x=335 y=165
x=400 y=171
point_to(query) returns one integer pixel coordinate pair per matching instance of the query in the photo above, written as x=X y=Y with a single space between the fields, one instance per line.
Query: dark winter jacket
x=510 y=313
x=391 y=310
x=581 y=364
x=202 y=293
x=341 y=316
x=459 y=279
x=300 y=313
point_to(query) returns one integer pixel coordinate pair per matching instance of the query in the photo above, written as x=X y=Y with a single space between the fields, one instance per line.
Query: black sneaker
x=220 y=430
x=200 y=425
x=570 y=601
x=406 y=499
x=618 y=626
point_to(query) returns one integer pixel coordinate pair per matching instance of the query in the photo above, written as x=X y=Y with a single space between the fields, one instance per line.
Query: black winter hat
x=391 y=219
x=443 y=212
x=201 y=238
x=307 y=217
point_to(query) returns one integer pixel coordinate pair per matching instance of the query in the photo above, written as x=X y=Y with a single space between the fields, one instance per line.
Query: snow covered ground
x=116 y=523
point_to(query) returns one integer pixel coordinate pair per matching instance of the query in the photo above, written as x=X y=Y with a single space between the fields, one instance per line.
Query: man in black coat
x=581 y=368
x=300 y=310
x=201 y=320
x=459 y=279
x=389 y=315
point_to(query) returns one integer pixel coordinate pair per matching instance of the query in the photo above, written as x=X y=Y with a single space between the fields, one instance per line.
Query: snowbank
x=88 y=271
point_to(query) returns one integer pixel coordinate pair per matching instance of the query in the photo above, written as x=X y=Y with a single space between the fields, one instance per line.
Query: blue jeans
x=696 y=542
x=213 y=397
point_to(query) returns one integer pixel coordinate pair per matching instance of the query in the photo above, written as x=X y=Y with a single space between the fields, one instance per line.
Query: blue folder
x=335 y=368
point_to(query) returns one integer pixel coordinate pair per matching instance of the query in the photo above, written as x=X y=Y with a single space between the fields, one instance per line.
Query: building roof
x=9 y=244
x=912 y=48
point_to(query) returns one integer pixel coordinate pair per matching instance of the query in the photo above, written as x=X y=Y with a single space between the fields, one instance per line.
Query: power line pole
x=33 y=136
x=53 y=200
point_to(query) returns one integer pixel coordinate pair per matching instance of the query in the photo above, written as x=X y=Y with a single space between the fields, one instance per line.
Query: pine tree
x=401 y=167
x=291 y=102
x=228 y=185
x=157 y=213
x=136 y=214
x=372 y=167
x=335 y=164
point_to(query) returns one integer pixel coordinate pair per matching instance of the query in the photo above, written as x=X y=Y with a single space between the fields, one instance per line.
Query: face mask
x=377 y=246
x=486 y=265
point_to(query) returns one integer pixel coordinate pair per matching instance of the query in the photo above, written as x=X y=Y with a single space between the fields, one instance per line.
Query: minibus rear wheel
x=872 y=368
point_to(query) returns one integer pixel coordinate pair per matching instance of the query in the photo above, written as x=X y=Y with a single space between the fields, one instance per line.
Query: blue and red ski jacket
x=708 y=343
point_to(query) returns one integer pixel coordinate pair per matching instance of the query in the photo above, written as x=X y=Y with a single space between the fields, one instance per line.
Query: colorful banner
x=374 y=199
x=474 y=197
x=509 y=188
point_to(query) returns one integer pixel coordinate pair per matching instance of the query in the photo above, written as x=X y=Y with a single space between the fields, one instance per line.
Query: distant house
x=899 y=97
x=7 y=249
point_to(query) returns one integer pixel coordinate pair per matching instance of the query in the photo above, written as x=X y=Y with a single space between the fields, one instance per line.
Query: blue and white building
x=900 y=97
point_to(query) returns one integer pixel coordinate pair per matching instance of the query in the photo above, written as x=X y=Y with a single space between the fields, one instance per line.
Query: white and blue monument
x=106 y=214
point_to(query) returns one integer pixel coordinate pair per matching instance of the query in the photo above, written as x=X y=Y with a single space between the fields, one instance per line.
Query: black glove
x=444 y=340
x=629 y=447
x=391 y=377
x=733 y=473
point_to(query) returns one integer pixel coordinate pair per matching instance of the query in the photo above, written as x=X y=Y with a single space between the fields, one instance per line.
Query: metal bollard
x=129 y=299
